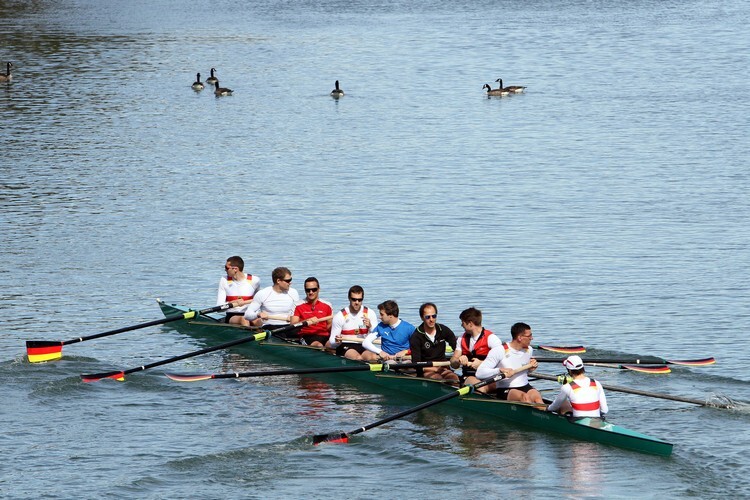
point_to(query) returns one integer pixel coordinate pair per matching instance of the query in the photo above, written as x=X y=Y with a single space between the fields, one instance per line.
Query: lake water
x=606 y=206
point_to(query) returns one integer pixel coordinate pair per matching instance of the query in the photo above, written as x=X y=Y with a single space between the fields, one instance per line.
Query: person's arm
x=559 y=400
x=490 y=366
x=221 y=297
x=367 y=343
x=603 y=408
x=297 y=316
x=415 y=344
x=253 y=309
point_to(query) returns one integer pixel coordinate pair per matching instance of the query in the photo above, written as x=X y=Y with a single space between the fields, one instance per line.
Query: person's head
x=356 y=296
x=471 y=319
x=234 y=262
x=519 y=329
x=282 y=277
x=312 y=288
x=574 y=365
x=388 y=312
x=428 y=313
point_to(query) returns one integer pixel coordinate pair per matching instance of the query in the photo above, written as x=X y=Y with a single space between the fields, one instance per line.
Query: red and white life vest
x=481 y=346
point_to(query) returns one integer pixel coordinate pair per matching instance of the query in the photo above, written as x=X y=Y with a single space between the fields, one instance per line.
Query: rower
x=506 y=358
x=474 y=346
x=394 y=334
x=273 y=306
x=582 y=395
x=315 y=333
x=429 y=342
x=236 y=285
x=353 y=320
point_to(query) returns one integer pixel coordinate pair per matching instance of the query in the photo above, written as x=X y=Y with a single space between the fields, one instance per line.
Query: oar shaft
x=648 y=360
x=376 y=367
x=176 y=317
x=642 y=393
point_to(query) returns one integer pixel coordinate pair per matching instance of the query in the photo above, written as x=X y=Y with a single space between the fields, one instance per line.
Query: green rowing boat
x=210 y=328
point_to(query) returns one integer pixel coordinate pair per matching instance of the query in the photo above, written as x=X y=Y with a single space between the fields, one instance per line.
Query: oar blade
x=692 y=362
x=578 y=349
x=39 y=351
x=333 y=438
x=185 y=377
x=648 y=369
x=94 y=377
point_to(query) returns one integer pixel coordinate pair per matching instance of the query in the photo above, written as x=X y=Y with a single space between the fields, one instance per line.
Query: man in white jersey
x=355 y=320
x=506 y=358
x=583 y=396
x=236 y=285
x=273 y=306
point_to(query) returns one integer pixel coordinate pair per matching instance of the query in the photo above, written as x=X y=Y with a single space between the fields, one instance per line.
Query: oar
x=42 y=350
x=645 y=393
x=375 y=367
x=647 y=360
x=120 y=375
x=343 y=437
x=576 y=349
x=656 y=369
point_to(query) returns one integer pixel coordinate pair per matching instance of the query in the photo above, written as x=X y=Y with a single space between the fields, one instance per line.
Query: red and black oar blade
x=40 y=351
x=576 y=349
x=333 y=438
x=692 y=362
x=119 y=376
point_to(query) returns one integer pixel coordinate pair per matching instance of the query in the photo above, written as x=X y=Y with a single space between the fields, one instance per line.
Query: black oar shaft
x=176 y=317
x=648 y=360
x=335 y=369
x=644 y=393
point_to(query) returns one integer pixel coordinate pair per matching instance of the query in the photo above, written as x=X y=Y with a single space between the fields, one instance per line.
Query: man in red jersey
x=473 y=346
x=316 y=333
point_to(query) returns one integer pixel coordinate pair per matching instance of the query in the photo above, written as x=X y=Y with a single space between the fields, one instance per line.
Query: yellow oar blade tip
x=39 y=351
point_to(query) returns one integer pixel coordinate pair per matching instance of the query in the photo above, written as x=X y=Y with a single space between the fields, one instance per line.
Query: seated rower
x=355 y=319
x=315 y=333
x=236 y=285
x=474 y=346
x=273 y=306
x=429 y=342
x=506 y=358
x=583 y=396
x=394 y=334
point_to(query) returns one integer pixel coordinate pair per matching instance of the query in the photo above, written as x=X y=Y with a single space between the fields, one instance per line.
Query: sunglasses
x=360 y=299
x=288 y=280
x=227 y=268
x=430 y=316
x=311 y=290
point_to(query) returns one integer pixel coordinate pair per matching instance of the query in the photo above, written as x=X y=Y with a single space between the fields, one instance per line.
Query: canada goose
x=212 y=79
x=337 y=92
x=7 y=76
x=198 y=84
x=221 y=90
x=491 y=91
x=515 y=89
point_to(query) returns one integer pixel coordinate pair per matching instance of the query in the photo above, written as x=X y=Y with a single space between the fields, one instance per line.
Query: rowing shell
x=210 y=329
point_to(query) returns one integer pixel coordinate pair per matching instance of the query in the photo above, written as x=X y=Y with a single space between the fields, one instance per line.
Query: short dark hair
x=312 y=279
x=236 y=261
x=424 y=306
x=517 y=329
x=575 y=373
x=471 y=315
x=356 y=289
x=390 y=307
x=279 y=273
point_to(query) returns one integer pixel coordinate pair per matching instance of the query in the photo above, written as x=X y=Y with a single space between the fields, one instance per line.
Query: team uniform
x=586 y=396
x=505 y=356
x=230 y=290
x=319 y=331
x=346 y=323
x=272 y=302
x=477 y=348
x=425 y=347
x=393 y=339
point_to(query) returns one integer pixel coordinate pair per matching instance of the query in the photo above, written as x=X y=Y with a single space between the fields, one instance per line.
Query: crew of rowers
x=357 y=334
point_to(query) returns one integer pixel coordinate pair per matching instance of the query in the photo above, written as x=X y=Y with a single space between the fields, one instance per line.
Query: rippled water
x=605 y=206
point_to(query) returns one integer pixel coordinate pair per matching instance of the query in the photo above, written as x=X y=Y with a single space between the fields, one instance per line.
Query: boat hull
x=210 y=329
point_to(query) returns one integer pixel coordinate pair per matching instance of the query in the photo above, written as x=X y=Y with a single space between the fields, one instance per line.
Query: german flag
x=40 y=351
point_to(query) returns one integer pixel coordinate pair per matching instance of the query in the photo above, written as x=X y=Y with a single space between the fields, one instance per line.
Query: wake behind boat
x=210 y=328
